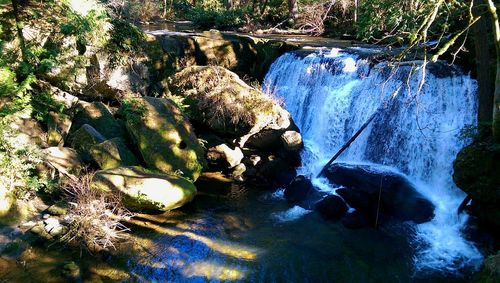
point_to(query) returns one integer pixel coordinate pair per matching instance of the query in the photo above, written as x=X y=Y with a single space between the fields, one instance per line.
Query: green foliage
x=132 y=110
x=18 y=159
x=217 y=17
x=400 y=21
x=125 y=38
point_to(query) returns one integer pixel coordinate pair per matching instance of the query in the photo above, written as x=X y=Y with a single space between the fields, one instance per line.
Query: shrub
x=215 y=18
x=95 y=216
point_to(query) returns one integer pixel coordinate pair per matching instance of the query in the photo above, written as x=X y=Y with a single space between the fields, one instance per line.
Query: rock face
x=238 y=53
x=145 y=191
x=364 y=183
x=476 y=173
x=63 y=159
x=220 y=100
x=113 y=153
x=164 y=137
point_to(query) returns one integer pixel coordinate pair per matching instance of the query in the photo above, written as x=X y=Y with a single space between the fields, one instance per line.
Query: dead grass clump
x=94 y=216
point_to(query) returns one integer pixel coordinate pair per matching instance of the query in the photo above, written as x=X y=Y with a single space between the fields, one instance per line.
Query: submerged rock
x=371 y=189
x=144 y=190
x=164 y=137
x=331 y=207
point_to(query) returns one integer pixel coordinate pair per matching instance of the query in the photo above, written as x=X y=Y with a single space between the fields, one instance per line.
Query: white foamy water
x=291 y=214
x=330 y=95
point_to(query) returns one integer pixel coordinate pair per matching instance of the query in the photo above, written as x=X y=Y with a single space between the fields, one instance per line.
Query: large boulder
x=300 y=191
x=84 y=139
x=113 y=153
x=164 y=136
x=373 y=190
x=97 y=115
x=476 y=173
x=219 y=99
x=143 y=190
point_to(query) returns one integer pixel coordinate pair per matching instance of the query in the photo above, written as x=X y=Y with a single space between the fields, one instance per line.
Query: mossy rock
x=165 y=137
x=98 y=116
x=58 y=125
x=84 y=139
x=144 y=190
x=490 y=273
x=113 y=153
x=476 y=171
x=219 y=99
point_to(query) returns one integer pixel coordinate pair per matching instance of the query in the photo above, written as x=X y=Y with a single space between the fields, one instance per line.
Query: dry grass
x=95 y=216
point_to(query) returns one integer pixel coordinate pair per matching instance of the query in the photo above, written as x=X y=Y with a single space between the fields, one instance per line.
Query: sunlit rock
x=165 y=137
x=58 y=125
x=83 y=140
x=143 y=190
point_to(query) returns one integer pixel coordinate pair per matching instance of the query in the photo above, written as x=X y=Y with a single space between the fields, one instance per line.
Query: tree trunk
x=164 y=9
x=484 y=63
x=19 y=29
x=292 y=9
x=496 y=95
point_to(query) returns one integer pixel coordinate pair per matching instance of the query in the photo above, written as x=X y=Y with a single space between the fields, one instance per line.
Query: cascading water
x=418 y=133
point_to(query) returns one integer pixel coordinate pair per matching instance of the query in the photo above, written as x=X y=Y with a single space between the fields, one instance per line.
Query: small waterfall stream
x=331 y=94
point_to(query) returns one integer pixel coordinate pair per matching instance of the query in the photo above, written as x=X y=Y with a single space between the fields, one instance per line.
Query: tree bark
x=292 y=9
x=484 y=64
x=496 y=95
x=19 y=29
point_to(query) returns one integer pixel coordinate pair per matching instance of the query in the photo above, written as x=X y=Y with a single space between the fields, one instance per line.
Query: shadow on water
x=229 y=234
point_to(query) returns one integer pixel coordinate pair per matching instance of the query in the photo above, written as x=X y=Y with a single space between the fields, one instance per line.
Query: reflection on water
x=233 y=235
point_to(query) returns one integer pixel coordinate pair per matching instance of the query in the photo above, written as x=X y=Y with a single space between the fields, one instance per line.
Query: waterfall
x=331 y=94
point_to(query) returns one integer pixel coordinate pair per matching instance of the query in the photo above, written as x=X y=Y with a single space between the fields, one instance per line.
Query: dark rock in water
x=302 y=193
x=476 y=173
x=298 y=189
x=371 y=190
x=331 y=207
x=355 y=220
x=278 y=172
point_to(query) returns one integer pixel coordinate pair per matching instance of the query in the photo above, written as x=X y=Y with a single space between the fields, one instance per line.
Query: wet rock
x=231 y=157
x=143 y=190
x=113 y=153
x=84 y=139
x=331 y=207
x=364 y=183
x=277 y=171
x=58 y=126
x=71 y=271
x=298 y=189
x=354 y=220
x=238 y=172
x=165 y=138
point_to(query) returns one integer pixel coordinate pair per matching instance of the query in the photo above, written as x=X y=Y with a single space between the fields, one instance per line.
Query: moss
x=113 y=153
x=98 y=116
x=84 y=139
x=166 y=139
x=145 y=191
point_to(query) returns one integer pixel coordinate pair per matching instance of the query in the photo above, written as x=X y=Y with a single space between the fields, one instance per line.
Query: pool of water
x=230 y=233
